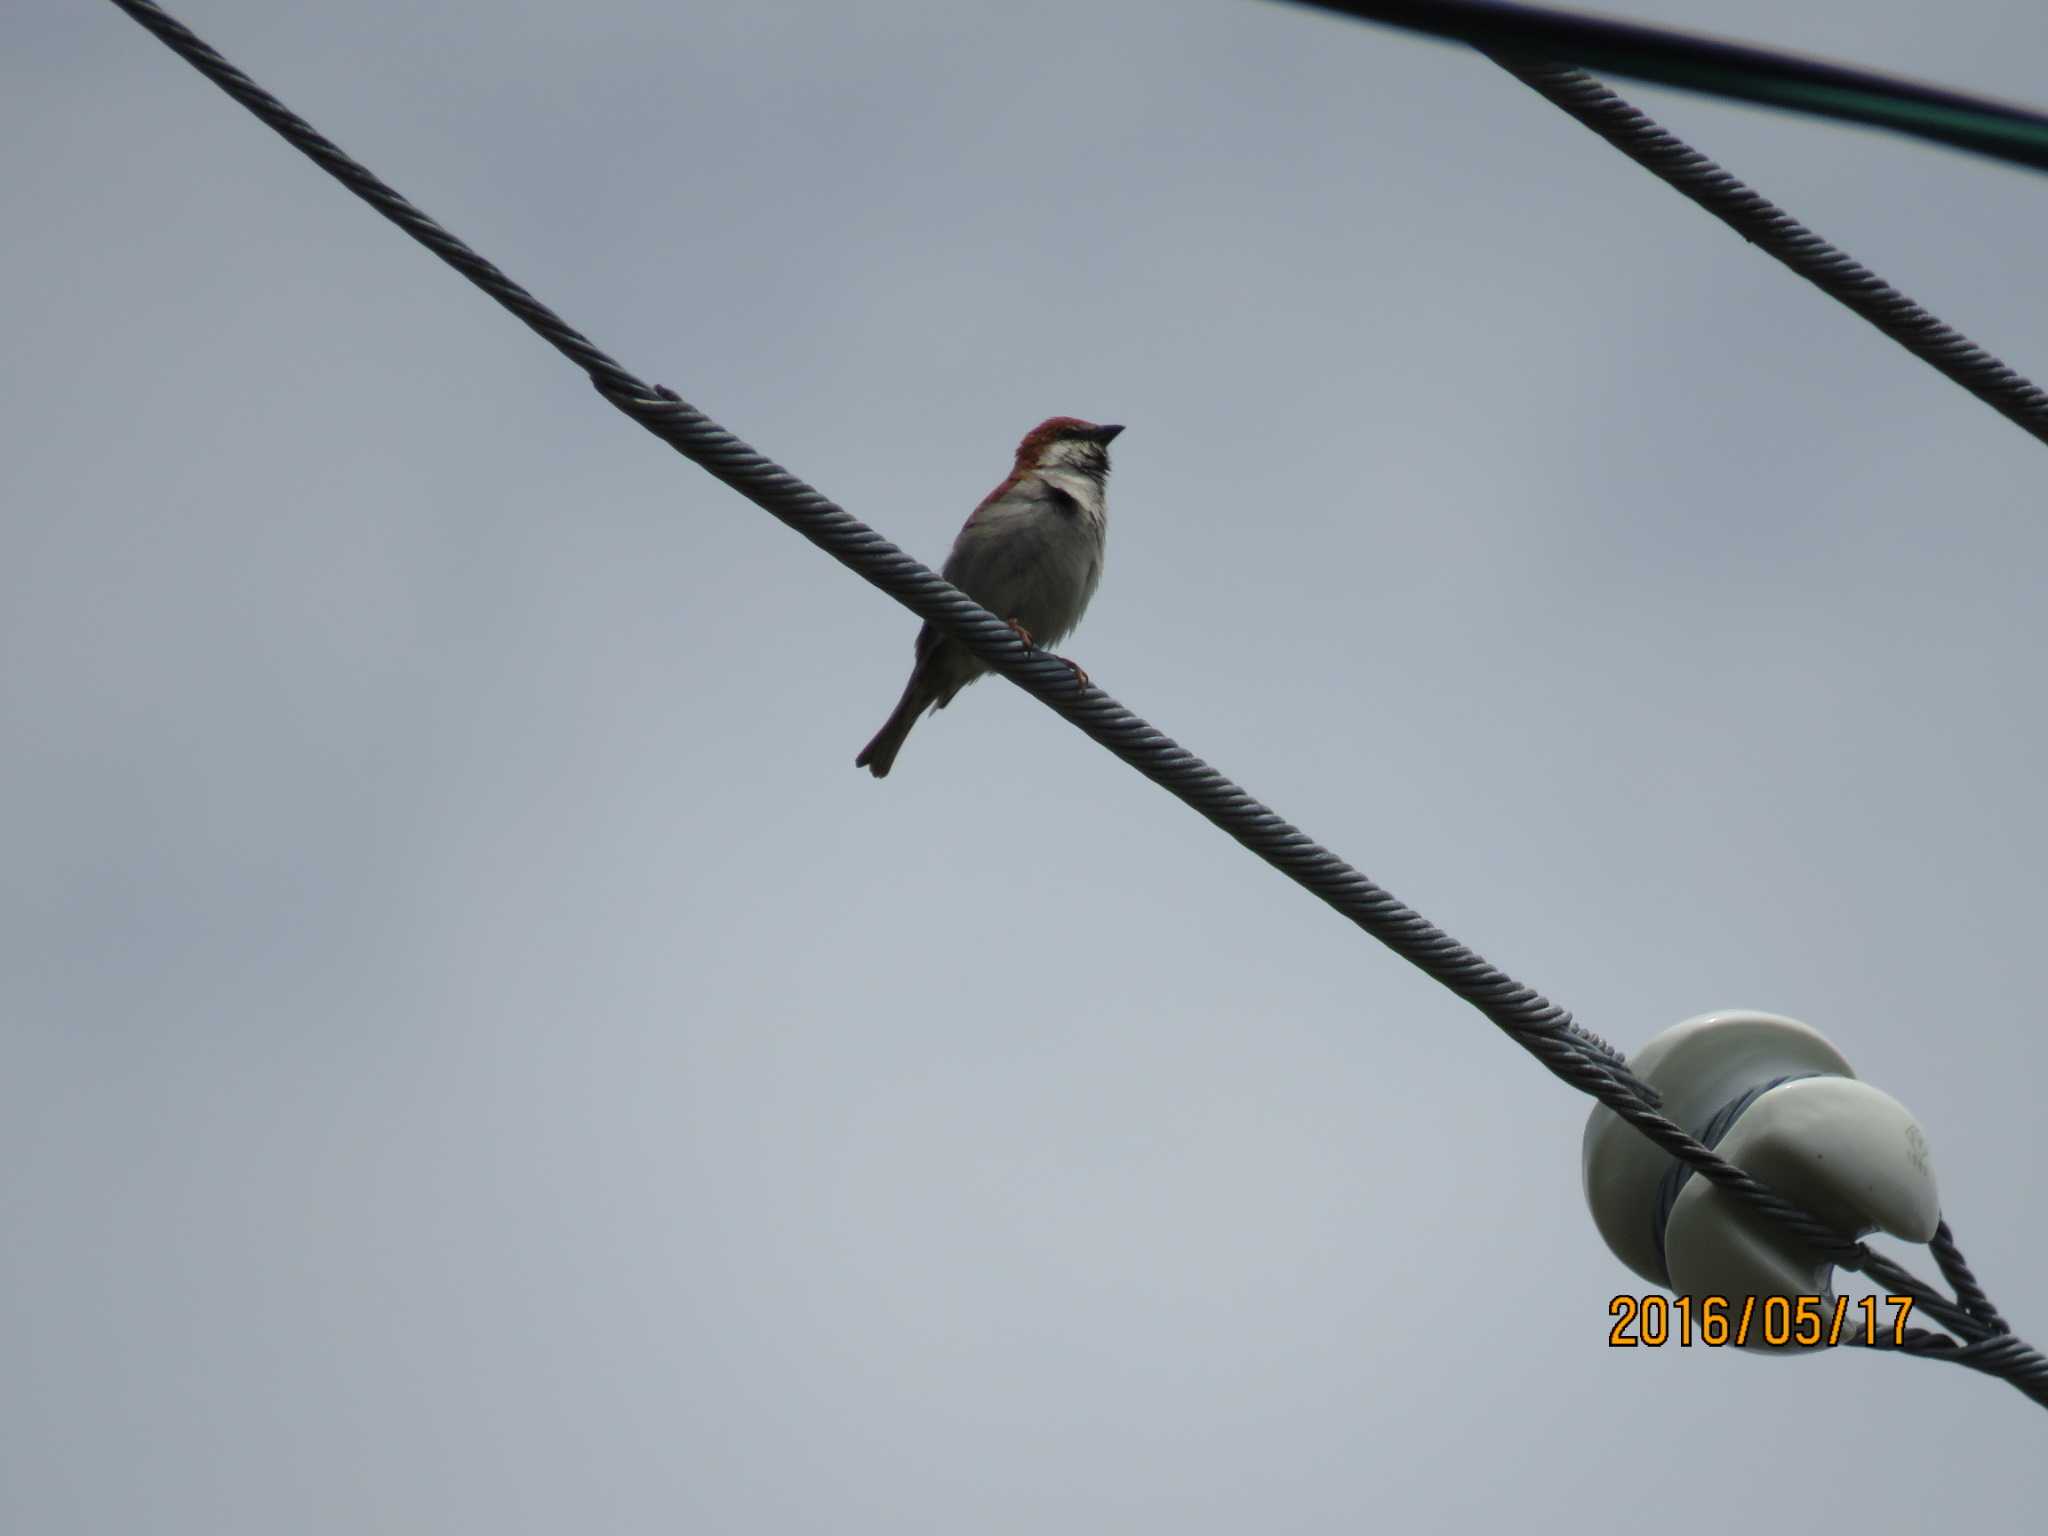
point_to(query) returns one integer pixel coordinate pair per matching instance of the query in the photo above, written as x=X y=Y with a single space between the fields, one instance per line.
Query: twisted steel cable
x=1541 y=1027
x=1774 y=231
x=2001 y=1355
x=1956 y=1271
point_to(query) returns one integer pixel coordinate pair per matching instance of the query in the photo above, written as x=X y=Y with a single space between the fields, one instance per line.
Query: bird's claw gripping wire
x=1080 y=674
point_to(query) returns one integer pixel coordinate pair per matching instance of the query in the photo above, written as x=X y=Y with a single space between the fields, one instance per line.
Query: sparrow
x=1031 y=554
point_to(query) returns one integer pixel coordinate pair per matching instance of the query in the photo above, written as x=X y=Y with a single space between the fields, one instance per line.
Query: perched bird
x=1031 y=554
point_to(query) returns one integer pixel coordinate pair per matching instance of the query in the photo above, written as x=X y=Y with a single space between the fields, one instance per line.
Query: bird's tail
x=879 y=755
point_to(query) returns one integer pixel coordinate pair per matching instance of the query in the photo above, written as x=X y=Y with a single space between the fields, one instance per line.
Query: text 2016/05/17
x=1806 y=1322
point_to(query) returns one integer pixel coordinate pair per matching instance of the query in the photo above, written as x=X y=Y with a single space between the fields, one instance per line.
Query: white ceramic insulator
x=1841 y=1149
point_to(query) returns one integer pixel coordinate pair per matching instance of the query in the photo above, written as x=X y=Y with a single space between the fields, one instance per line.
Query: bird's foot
x=1080 y=676
x=1022 y=633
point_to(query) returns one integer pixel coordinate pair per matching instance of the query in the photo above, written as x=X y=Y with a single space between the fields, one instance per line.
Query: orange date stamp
x=1800 y=1322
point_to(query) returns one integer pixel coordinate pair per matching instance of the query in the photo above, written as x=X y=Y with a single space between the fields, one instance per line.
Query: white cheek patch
x=1085 y=489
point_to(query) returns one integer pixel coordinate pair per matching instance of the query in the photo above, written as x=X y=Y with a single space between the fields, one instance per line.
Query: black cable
x=1717 y=68
x=2001 y=1355
x=1538 y=1025
x=1956 y=1270
x=1778 y=234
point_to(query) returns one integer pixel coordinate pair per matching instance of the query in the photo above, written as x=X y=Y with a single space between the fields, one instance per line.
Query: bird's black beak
x=1105 y=435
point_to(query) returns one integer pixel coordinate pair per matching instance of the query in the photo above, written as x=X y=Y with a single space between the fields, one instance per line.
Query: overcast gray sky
x=477 y=1057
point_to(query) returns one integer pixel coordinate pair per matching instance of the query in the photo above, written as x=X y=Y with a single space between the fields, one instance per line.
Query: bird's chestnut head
x=1067 y=442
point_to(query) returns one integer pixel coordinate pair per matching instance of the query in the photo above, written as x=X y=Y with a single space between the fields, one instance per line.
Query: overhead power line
x=1547 y=1031
x=1775 y=232
x=1717 y=68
